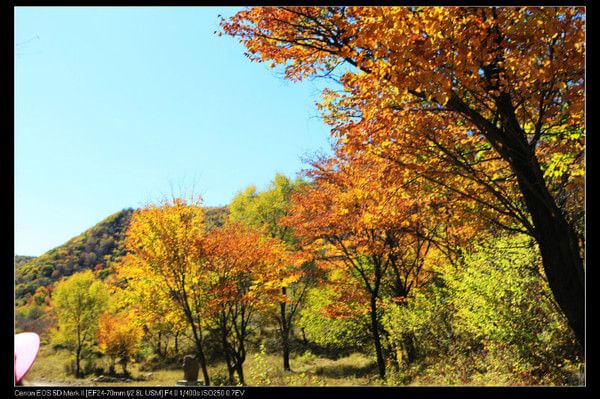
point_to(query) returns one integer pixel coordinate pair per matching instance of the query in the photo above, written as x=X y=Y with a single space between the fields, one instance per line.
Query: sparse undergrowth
x=261 y=369
x=307 y=370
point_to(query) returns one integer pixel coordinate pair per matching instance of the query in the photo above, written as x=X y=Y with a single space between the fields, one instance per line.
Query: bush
x=342 y=335
x=491 y=321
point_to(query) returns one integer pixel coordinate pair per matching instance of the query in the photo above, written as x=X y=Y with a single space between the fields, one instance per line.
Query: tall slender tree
x=243 y=269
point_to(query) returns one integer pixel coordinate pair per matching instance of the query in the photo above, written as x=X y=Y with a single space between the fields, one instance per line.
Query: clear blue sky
x=118 y=107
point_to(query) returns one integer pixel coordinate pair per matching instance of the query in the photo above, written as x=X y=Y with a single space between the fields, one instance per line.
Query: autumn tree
x=487 y=103
x=166 y=257
x=355 y=222
x=150 y=310
x=119 y=338
x=264 y=210
x=79 y=301
x=243 y=269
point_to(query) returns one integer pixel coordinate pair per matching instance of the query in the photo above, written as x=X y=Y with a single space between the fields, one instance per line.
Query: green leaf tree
x=79 y=301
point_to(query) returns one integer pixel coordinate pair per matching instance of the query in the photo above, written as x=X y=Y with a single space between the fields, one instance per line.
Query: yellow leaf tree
x=264 y=210
x=79 y=301
x=167 y=257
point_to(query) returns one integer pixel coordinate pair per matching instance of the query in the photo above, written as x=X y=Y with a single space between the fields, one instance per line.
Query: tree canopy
x=483 y=102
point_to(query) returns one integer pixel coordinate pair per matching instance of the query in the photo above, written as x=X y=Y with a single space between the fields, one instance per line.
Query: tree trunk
x=286 y=350
x=200 y=353
x=240 y=356
x=124 y=366
x=111 y=366
x=231 y=373
x=159 y=345
x=202 y=363
x=240 y=371
x=409 y=347
x=226 y=353
x=304 y=340
x=77 y=361
x=558 y=243
x=285 y=334
x=376 y=338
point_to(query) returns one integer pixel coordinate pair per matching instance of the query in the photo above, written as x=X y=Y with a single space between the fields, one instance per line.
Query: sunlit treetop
x=440 y=89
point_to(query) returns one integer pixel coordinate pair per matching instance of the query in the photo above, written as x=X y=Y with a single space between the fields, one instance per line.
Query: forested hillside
x=21 y=260
x=215 y=216
x=92 y=249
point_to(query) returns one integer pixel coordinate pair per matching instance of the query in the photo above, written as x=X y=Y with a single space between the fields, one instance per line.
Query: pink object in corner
x=26 y=348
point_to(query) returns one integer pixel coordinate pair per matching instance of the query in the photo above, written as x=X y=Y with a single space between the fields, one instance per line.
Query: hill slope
x=21 y=260
x=92 y=249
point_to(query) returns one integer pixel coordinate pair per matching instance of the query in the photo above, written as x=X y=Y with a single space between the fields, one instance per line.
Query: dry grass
x=263 y=369
x=260 y=369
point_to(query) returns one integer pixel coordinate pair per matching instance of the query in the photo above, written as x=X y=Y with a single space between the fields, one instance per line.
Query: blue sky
x=118 y=107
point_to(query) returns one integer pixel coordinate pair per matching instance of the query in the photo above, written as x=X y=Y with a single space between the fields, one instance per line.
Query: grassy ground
x=262 y=369
x=259 y=369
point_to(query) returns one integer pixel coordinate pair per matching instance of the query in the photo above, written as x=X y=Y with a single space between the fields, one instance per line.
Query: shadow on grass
x=332 y=353
x=347 y=370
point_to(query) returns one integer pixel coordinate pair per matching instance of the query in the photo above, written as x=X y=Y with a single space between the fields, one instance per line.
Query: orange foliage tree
x=264 y=211
x=486 y=102
x=356 y=222
x=245 y=271
x=119 y=338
